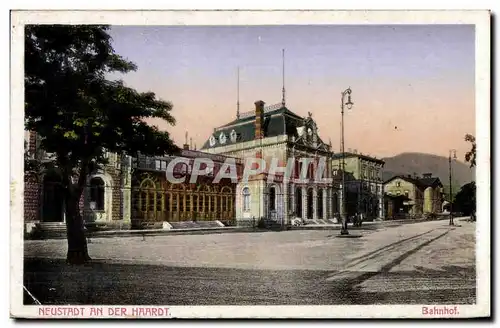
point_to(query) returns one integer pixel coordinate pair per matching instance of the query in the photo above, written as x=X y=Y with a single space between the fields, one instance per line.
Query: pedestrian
x=355 y=220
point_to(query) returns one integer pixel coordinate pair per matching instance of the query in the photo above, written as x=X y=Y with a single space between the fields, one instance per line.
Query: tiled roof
x=427 y=182
x=419 y=182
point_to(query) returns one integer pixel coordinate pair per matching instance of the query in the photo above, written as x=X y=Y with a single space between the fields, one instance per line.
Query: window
x=233 y=136
x=188 y=203
x=398 y=184
x=97 y=194
x=246 y=199
x=212 y=203
x=206 y=201
x=224 y=203
x=159 y=202
x=407 y=193
x=195 y=204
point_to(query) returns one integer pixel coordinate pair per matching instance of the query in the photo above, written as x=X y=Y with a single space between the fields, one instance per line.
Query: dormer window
x=222 y=138
x=233 y=136
x=212 y=141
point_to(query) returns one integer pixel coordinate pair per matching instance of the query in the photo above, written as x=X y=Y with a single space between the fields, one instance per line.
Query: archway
x=319 y=204
x=310 y=204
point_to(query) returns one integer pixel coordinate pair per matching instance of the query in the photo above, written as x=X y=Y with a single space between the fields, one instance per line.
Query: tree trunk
x=77 y=241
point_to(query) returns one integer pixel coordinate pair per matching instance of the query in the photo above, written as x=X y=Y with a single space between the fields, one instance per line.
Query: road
x=420 y=263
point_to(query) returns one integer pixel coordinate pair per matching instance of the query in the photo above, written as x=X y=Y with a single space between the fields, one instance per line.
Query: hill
x=420 y=163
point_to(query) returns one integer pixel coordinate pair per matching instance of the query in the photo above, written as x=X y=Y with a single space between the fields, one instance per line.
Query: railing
x=267 y=109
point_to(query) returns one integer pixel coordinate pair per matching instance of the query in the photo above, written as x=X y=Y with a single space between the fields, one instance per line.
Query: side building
x=364 y=185
x=407 y=195
x=157 y=201
x=130 y=193
x=103 y=202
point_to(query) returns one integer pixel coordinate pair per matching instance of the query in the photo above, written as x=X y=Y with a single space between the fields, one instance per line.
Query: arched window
x=246 y=199
x=97 y=194
x=195 y=203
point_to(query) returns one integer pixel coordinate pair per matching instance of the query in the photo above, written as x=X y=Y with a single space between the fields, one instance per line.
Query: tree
x=465 y=199
x=80 y=114
x=470 y=156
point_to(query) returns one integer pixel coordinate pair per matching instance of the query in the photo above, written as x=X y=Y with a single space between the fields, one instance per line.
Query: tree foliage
x=470 y=156
x=80 y=114
x=465 y=199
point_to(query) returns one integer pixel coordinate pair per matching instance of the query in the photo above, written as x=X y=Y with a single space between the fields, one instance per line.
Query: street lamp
x=454 y=153
x=345 y=94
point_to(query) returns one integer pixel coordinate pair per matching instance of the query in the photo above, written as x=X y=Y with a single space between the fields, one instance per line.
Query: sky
x=412 y=85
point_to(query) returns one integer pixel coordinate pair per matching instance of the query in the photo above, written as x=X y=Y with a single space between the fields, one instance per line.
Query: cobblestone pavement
x=419 y=263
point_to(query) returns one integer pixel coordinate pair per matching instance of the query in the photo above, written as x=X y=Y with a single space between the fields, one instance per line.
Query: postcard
x=250 y=164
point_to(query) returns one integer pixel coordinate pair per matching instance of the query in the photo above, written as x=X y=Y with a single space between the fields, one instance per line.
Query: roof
x=419 y=182
x=428 y=182
x=365 y=157
x=278 y=120
x=401 y=197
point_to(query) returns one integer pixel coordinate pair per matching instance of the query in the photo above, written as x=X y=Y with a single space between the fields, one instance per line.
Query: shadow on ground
x=106 y=283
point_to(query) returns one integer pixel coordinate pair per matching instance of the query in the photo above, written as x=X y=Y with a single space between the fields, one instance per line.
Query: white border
x=481 y=20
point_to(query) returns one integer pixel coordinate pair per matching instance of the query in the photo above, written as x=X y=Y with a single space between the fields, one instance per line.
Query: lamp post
x=345 y=94
x=454 y=153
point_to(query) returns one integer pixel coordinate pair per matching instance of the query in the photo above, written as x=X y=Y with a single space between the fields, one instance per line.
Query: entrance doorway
x=53 y=197
x=319 y=204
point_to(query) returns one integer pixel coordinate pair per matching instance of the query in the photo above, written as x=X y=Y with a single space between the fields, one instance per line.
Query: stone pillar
x=262 y=199
x=315 y=203
x=325 y=204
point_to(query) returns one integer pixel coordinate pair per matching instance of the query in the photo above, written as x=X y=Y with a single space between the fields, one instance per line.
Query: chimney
x=259 y=119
